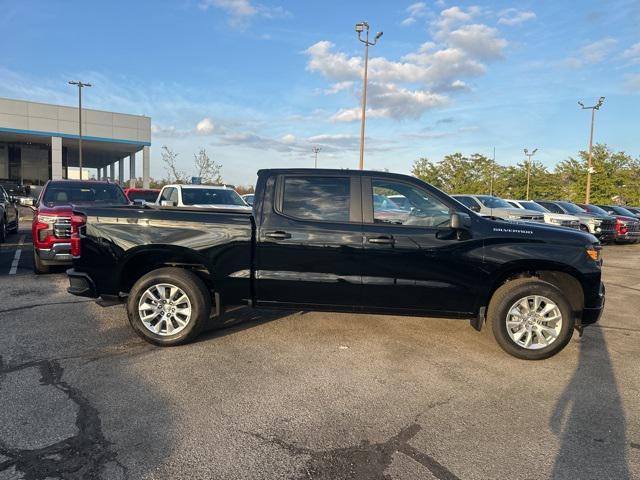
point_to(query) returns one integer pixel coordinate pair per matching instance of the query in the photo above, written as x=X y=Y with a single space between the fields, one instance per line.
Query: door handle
x=385 y=240
x=279 y=235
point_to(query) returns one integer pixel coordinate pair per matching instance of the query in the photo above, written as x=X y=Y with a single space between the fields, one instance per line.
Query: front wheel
x=530 y=319
x=169 y=306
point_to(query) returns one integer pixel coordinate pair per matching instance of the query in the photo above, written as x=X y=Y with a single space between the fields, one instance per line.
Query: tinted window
x=493 y=202
x=622 y=211
x=533 y=206
x=422 y=209
x=469 y=203
x=65 y=193
x=552 y=207
x=166 y=193
x=146 y=195
x=317 y=198
x=594 y=209
x=211 y=196
x=571 y=208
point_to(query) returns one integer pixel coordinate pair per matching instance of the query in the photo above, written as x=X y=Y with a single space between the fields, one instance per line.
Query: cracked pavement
x=311 y=395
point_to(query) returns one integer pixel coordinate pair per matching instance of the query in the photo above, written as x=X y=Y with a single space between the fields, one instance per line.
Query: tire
x=17 y=225
x=161 y=282
x=506 y=305
x=3 y=230
x=39 y=266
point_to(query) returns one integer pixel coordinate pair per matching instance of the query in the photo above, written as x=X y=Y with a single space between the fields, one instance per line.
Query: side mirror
x=459 y=221
x=167 y=203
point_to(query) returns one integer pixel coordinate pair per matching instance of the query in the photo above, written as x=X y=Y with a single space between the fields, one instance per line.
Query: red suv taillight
x=77 y=222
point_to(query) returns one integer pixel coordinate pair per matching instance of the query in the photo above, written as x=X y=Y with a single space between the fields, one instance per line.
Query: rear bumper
x=58 y=254
x=592 y=314
x=81 y=284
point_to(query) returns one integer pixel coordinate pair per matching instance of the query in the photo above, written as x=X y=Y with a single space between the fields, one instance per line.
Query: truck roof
x=329 y=171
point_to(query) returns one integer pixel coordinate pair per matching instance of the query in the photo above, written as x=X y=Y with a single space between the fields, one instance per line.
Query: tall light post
x=80 y=86
x=364 y=27
x=315 y=151
x=589 y=167
x=529 y=154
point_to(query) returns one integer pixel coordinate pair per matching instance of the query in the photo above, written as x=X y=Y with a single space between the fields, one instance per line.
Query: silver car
x=560 y=219
x=490 y=206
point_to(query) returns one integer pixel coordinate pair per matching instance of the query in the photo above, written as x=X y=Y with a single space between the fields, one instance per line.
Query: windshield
x=146 y=195
x=211 y=196
x=493 y=202
x=597 y=210
x=622 y=211
x=65 y=193
x=534 y=206
x=572 y=208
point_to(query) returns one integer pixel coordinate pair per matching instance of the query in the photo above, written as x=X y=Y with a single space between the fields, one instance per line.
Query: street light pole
x=80 y=86
x=526 y=152
x=364 y=27
x=315 y=151
x=589 y=167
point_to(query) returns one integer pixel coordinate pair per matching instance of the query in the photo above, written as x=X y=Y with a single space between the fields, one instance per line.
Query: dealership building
x=39 y=141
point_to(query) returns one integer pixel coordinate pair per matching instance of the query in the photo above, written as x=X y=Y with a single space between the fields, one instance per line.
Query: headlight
x=513 y=217
x=556 y=221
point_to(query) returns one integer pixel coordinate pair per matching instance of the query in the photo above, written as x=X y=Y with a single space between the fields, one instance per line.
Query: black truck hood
x=538 y=232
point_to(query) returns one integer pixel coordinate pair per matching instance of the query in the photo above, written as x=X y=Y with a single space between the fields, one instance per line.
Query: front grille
x=62 y=227
x=570 y=223
x=608 y=225
x=633 y=227
x=533 y=218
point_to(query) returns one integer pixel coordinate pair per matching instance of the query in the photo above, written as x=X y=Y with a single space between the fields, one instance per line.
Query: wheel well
x=566 y=282
x=145 y=262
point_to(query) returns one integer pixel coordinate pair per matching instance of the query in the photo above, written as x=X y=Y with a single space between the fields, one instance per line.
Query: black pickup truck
x=335 y=240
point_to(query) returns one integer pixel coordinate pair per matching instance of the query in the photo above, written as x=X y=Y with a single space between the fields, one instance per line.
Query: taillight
x=77 y=222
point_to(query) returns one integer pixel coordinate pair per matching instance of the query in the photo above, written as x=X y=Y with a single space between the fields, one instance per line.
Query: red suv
x=55 y=228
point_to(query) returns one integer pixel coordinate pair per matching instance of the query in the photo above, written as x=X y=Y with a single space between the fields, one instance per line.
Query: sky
x=258 y=84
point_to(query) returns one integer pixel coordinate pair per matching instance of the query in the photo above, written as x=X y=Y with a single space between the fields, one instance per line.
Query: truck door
x=308 y=241
x=412 y=260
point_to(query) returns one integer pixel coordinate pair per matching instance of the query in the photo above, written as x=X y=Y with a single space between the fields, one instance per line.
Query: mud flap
x=477 y=322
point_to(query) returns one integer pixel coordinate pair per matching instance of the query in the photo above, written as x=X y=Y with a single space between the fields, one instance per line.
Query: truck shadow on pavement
x=589 y=417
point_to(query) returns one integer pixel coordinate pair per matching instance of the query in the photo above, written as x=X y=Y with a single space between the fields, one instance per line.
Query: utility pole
x=364 y=27
x=80 y=86
x=526 y=152
x=589 y=167
x=493 y=167
x=315 y=151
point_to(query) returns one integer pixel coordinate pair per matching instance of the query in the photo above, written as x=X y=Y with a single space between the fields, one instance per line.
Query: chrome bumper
x=59 y=252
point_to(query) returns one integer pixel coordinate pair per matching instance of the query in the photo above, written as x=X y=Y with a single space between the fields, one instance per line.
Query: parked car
x=490 y=206
x=627 y=224
x=602 y=226
x=14 y=188
x=142 y=195
x=560 y=219
x=9 y=215
x=53 y=218
x=201 y=196
x=634 y=210
x=248 y=198
x=317 y=242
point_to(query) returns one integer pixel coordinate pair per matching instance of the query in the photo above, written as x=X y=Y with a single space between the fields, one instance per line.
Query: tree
x=169 y=158
x=206 y=168
x=616 y=175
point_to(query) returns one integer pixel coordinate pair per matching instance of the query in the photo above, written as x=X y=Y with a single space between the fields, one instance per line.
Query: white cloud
x=591 y=53
x=205 y=126
x=415 y=11
x=513 y=16
x=418 y=81
x=632 y=54
x=288 y=139
x=339 y=87
x=242 y=11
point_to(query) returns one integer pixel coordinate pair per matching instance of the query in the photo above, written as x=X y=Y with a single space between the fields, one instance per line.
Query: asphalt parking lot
x=309 y=395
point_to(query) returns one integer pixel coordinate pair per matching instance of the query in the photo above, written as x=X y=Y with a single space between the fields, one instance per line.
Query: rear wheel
x=169 y=306
x=530 y=319
x=16 y=226
x=3 y=230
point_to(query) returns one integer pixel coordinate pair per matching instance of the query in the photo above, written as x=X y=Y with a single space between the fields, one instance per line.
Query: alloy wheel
x=164 y=309
x=534 y=322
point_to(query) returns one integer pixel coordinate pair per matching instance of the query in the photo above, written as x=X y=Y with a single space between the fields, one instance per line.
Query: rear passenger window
x=317 y=198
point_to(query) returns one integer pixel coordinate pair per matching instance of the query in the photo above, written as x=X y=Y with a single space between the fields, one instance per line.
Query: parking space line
x=16 y=257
